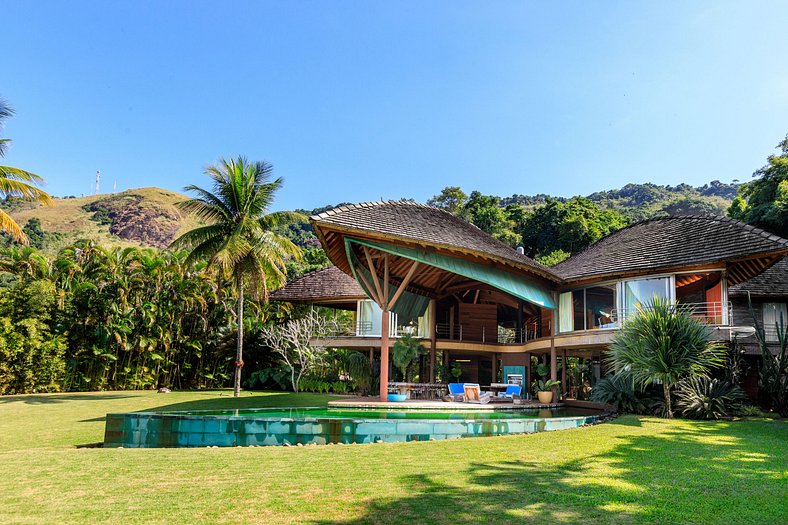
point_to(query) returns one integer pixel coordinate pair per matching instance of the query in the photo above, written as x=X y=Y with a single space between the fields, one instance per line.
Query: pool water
x=319 y=426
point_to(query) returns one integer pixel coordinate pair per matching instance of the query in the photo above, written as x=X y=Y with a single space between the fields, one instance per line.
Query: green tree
x=404 y=352
x=485 y=212
x=569 y=226
x=664 y=344
x=16 y=183
x=451 y=198
x=239 y=237
x=763 y=202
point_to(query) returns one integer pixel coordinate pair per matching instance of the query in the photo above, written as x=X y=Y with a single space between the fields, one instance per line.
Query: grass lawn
x=633 y=470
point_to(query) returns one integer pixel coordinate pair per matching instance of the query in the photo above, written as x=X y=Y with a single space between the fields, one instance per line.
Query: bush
x=272 y=377
x=706 y=398
x=618 y=390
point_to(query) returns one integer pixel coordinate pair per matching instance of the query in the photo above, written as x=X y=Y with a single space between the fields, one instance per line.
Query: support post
x=519 y=336
x=553 y=365
x=527 y=377
x=384 y=356
x=433 y=338
x=564 y=386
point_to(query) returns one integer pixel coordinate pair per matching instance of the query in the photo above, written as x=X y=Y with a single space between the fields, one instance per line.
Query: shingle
x=771 y=283
x=326 y=283
x=670 y=242
x=421 y=223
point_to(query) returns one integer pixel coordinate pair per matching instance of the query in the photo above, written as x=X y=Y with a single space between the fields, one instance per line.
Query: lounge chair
x=473 y=394
x=512 y=391
x=456 y=392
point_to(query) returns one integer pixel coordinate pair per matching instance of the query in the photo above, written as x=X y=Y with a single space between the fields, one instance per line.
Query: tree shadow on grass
x=48 y=399
x=704 y=474
x=226 y=401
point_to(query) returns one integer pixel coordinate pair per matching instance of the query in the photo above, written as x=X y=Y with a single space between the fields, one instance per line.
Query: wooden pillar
x=495 y=368
x=384 y=356
x=553 y=365
x=433 y=337
x=451 y=322
x=564 y=386
x=527 y=378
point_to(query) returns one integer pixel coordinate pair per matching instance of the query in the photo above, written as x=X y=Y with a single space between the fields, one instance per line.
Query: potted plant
x=544 y=389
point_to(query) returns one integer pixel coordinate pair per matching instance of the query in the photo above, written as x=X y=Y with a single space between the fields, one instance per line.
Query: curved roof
x=328 y=283
x=771 y=283
x=422 y=224
x=672 y=242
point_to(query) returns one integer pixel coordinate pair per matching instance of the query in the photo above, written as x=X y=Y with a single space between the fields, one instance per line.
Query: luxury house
x=477 y=303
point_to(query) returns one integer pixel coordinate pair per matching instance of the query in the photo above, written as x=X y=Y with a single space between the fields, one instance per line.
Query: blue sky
x=354 y=101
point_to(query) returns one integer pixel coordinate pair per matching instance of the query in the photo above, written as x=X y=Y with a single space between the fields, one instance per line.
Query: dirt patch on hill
x=134 y=218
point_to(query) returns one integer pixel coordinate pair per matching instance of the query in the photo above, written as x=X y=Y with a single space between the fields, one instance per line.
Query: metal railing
x=712 y=313
x=480 y=334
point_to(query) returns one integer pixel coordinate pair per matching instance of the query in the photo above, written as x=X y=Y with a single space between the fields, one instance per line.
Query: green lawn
x=632 y=470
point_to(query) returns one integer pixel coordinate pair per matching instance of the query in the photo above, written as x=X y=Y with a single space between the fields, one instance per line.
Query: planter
x=545 y=397
x=397 y=398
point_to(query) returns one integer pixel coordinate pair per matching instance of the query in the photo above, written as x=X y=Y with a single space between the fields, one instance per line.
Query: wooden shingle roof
x=673 y=242
x=771 y=283
x=415 y=222
x=325 y=284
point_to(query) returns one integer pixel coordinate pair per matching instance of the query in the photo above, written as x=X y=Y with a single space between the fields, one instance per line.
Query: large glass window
x=587 y=308
x=775 y=315
x=641 y=292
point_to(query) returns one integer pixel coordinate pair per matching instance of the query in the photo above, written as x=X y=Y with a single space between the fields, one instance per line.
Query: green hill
x=145 y=217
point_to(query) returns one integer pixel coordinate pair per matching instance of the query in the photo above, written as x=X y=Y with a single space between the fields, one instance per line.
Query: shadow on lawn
x=226 y=401
x=672 y=477
x=47 y=399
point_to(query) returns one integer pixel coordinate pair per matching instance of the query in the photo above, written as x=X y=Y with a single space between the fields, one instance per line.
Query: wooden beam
x=404 y=283
x=374 y=274
x=371 y=289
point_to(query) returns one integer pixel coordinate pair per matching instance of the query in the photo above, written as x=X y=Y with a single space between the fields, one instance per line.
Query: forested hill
x=548 y=227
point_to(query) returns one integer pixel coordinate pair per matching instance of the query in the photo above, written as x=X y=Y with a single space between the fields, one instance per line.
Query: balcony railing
x=480 y=334
x=712 y=313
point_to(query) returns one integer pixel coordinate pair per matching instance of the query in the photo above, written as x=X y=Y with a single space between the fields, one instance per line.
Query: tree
x=763 y=202
x=404 y=352
x=239 y=239
x=485 y=212
x=664 y=344
x=570 y=226
x=300 y=343
x=451 y=198
x=16 y=183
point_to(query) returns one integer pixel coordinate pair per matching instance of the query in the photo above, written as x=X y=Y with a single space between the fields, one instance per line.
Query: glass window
x=579 y=309
x=565 y=312
x=774 y=316
x=600 y=306
x=643 y=291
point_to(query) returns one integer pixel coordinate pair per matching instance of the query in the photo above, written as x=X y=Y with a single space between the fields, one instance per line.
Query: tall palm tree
x=239 y=238
x=15 y=182
x=664 y=344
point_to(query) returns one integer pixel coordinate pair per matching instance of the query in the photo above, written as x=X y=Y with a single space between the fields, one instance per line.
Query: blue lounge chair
x=456 y=392
x=511 y=391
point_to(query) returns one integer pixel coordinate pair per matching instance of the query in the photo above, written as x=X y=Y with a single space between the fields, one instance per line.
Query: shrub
x=618 y=390
x=706 y=398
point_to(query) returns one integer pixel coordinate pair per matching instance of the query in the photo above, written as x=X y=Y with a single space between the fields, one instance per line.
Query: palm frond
x=9 y=225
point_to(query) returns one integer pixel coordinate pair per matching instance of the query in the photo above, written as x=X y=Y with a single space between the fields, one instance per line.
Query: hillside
x=138 y=217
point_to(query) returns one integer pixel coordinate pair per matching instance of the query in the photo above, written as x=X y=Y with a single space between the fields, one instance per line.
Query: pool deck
x=374 y=402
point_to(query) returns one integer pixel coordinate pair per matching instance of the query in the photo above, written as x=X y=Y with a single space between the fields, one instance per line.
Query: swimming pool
x=306 y=426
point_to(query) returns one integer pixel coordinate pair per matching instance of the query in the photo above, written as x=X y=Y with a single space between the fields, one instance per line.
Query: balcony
x=711 y=313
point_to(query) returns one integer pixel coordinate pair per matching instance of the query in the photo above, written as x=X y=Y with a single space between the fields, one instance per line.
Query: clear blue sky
x=354 y=101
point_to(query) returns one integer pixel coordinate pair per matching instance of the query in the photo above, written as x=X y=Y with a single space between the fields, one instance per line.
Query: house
x=403 y=266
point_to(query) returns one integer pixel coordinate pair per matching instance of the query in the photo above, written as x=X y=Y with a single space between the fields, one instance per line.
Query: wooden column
x=384 y=356
x=553 y=365
x=433 y=337
x=564 y=386
x=527 y=378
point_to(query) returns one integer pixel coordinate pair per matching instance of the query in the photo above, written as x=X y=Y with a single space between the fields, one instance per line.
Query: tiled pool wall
x=151 y=430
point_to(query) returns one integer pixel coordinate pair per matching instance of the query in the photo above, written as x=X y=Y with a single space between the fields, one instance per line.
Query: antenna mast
x=98 y=176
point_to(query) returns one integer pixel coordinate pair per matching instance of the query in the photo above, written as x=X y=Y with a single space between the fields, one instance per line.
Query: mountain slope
x=138 y=217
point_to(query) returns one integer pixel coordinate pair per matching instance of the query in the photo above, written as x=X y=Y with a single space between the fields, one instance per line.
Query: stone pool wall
x=151 y=430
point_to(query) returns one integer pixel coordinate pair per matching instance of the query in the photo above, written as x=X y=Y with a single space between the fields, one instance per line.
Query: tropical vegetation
x=664 y=344
x=16 y=183
x=238 y=239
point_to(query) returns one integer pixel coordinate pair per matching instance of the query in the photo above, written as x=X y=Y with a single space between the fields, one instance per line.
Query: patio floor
x=374 y=402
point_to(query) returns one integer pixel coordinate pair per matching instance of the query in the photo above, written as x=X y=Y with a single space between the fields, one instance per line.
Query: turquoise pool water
x=319 y=426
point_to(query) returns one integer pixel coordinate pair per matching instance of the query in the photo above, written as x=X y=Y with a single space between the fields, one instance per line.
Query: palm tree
x=239 y=238
x=15 y=182
x=664 y=344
